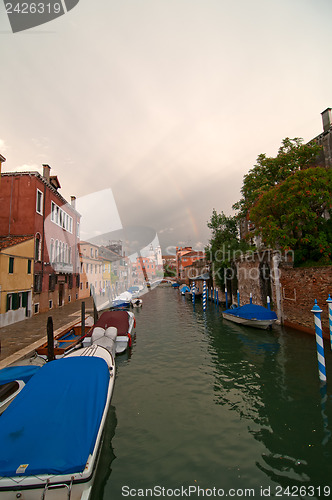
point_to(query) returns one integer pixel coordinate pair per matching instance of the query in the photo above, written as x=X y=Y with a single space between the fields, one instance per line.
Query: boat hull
x=256 y=323
x=56 y=486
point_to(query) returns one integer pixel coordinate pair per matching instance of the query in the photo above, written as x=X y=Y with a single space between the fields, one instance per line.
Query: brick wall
x=300 y=287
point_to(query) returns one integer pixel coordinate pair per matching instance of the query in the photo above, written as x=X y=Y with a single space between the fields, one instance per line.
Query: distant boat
x=198 y=294
x=57 y=421
x=175 y=285
x=122 y=300
x=251 y=315
x=136 y=302
x=184 y=289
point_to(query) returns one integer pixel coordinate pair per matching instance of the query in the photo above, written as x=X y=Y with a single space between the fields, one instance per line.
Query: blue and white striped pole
x=238 y=298
x=329 y=302
x=268 y=303
x=204 y=296
x=319 y=342
x=226 y=298
x=193 y=292
x=250 y=298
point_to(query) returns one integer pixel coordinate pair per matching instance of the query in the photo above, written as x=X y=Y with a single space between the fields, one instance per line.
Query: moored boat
x=124 y=321
x=12 y=381
x=122 y=300
x=67 y=339
x=184 y=289
x=57 y=436
x=251 y=315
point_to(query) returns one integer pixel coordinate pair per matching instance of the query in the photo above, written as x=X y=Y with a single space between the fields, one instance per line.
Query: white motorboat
x=122 y=320
x=57 y=420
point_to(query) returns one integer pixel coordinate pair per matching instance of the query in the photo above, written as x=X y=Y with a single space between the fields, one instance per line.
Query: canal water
x=206 y=408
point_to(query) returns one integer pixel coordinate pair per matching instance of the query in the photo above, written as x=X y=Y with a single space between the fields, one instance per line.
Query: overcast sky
x=166 y=102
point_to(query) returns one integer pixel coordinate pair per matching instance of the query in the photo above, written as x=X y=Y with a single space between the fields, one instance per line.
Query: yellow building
x=91 y=272
x=16 y=278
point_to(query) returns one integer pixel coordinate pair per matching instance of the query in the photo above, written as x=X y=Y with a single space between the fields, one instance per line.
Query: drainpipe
x=276 y=275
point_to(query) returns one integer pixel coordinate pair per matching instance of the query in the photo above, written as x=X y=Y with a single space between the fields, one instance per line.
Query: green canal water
x=206 y=408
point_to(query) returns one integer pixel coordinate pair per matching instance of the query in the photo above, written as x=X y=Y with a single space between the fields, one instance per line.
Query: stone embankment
x=20 y=339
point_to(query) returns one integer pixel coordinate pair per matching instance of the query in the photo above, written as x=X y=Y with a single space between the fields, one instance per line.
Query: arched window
x=56 y=254
x=37 y=247
x=52 y=251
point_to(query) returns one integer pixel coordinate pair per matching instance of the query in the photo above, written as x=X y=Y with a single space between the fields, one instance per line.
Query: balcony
x=62 y=267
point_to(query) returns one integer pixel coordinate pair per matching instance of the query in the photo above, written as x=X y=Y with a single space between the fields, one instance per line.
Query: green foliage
x=292 y=156
x=295 y=214
x=225 y=243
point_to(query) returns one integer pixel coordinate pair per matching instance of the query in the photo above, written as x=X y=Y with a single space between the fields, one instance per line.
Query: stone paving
x=20 y=339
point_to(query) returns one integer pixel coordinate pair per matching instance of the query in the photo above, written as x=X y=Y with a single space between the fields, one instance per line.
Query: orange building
x=186 y=256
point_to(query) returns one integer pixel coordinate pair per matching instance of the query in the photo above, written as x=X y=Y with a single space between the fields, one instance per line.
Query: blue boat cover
x=252 y=311
x=12 y=373
x=52 y=425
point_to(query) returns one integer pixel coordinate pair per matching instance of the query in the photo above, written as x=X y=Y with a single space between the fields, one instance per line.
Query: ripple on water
x=204 y=400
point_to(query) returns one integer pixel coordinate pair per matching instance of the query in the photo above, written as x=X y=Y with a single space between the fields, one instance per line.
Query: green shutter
x=11 y=265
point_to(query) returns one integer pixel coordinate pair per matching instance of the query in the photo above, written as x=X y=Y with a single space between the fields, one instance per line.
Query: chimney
x=73 y=202
x=46 y=172
x=2 y=160
x=326 y=117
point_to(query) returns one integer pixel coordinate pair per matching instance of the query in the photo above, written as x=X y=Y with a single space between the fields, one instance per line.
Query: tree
x=296 y=213
x=225 y=243
x=292 y=156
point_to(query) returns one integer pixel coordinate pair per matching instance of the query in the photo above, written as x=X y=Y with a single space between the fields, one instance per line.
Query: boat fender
x=134 y=322
x=129 y=342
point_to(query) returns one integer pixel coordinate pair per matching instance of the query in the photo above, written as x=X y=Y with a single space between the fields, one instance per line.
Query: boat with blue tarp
x=251 y=315
x=50 y=436
x=12 y=381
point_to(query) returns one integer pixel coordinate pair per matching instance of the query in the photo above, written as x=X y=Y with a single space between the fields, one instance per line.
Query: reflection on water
x=202 y=401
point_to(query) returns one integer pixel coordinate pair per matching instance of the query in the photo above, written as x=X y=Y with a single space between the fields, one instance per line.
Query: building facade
x=185 y=257
x=16 y=278
x=31 y=204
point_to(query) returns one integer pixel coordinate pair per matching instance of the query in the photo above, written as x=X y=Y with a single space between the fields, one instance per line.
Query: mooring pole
x=50 y=339
x=238 y=298
x=329 y=302
x=204 y=296
x=83 y=319
x=95 y=312
x=319 y=342
x=226 y=298
x=250 y=298
x=193 y=293
x=268 y=303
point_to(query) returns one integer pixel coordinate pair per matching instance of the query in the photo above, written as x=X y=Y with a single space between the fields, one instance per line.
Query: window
x=29 y=266
x=11 y=265
x=9 y=301
x=36 y=308
x=37 y=247
x=53 y=206
x=38 y=283
x=56 y=250
x=50 y=304
x=39 y=202
x=52 y=251
x=52 y=282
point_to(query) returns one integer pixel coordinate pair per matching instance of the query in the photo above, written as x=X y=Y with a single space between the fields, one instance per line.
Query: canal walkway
x=21 y=339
